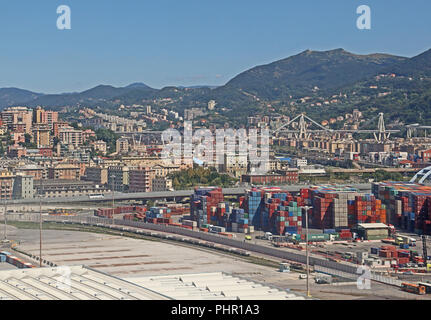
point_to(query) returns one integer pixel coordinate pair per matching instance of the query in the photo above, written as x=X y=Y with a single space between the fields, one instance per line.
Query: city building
x=100 y=146
x=34 y=170
x=122 y=145
x=6 y=185
x=47 y=117
x=18 y=119
x=58 y=126
x=64 y=171
x=298 y=163
x=211 y=104
x=161 y=184
x=70 y=136
x=118 y=178
x=41 y=136
x=67 y=188
x=141 y=179
x=23 y=186
x=162 y=170
x=98 y=175
x=290 y=177
x=16 y=151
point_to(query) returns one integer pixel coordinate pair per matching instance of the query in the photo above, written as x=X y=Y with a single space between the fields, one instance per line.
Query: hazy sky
x=189 y=42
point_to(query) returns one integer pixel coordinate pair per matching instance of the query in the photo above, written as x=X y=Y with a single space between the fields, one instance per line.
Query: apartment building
x=70 y=136
x=162 y=184
x=64 y=171
x=47 y=117
x=98 y=175
x=23 y=187
x=118 y=178
x=141 y=179
x=42 y=136
x=18 y=119
x=122 y=145
x=6 y=185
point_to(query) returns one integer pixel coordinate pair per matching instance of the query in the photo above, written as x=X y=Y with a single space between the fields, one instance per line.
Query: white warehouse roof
x=69 y=283
x=83 y=283
x=372 y=225
x=211 y=286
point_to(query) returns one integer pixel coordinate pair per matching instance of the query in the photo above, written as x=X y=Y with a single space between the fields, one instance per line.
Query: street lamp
x=5 y=220
x=113 y=198
x=306 y=249
x=40 y=222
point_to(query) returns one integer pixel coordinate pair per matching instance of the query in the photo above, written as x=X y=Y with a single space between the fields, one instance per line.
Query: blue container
x=243 y=221
x=2 y=258
x=329 y=231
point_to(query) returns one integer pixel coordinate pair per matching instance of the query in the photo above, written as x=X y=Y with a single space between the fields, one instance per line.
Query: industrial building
x=83 y=283
x=69 y=283
x=212 y=286
x=372 y=231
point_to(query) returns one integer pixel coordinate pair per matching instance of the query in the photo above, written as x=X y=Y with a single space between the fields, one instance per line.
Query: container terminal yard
x=234 y=246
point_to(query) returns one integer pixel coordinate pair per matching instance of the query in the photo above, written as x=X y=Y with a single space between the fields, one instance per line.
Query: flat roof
x=69 y=283
x=372 y=225
x=212 y=286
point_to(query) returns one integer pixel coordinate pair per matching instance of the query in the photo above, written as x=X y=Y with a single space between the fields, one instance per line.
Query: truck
x=322 y=278
x=400 y=239
x=268 y=236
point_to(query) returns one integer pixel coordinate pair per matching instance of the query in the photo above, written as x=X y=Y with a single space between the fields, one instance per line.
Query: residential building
x=6 y=185
x=141 y=179
x=67 y=188
x=58 y=126
x=161 y=184
x=16 y=151
x=100 y=146
x=37 y=172
x=18 y=119
x=47 y=117
x=64 y=171
x=290 y=177
x=122 y=145
x=298 y=163
x=23 y=187
x=41 y=136
x=118 y=178
x=98 y=175
x=70 y=136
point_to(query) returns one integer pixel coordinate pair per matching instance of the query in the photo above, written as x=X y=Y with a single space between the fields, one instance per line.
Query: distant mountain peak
x=138 y=85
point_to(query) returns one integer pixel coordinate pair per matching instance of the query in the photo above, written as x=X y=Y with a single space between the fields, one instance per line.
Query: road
x=118 y=196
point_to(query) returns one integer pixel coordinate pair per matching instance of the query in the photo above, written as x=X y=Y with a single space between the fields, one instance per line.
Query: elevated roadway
x=175 y=195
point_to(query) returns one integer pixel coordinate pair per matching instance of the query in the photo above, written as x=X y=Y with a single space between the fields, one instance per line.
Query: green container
x=317 y=237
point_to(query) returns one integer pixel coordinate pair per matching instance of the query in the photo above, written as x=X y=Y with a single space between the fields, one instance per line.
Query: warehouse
x=69 y=283
x=372 y=231
x=212 y=286
x=83 y=283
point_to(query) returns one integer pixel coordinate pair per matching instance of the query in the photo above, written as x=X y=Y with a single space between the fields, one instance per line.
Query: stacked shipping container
x=204 y=203
x=408 y=204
